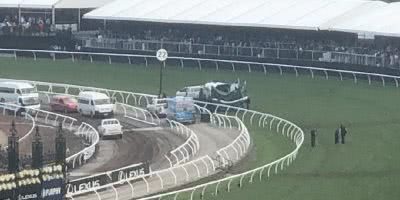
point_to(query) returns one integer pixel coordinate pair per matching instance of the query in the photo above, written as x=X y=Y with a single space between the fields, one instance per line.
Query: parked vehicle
x=110 y=128
x=95 y=104
x=63 y=103
x=233 y=94
x=158 y=107
x=19 y=93
x=181 y=109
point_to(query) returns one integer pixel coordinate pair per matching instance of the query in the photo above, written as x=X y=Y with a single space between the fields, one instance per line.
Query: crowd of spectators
x=281 y=40
x=274 y=40
x=26 y=25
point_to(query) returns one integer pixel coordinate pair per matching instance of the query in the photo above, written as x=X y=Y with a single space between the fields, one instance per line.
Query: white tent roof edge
x=268 y=17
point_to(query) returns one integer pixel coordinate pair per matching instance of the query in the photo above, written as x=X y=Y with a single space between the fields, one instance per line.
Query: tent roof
x=47 y=4
x=27 y=3
x=341 y=15
x=81 y=3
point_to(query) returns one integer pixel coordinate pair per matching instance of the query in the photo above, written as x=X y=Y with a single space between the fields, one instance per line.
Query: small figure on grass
x=343 y=133
x=337 y=133
x=313 y=137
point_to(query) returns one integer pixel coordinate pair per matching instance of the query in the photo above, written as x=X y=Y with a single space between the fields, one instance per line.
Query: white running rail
x=286 y=128
x=54 y=119
x=5 y=108
x=218 y=64
x=177 y=175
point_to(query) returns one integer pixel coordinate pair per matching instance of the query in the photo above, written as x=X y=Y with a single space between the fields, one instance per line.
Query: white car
x=110 y=128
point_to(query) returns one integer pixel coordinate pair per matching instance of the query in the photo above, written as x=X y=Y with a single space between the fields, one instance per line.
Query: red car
x=64 y=104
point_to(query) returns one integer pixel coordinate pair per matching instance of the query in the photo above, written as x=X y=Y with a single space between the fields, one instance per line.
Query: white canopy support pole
x=79 y=19
x=53 y=15
x=19 y=15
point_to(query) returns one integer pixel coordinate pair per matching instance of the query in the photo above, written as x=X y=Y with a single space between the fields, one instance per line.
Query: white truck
x=110 y=128
x=95 y=104
x=21 y=94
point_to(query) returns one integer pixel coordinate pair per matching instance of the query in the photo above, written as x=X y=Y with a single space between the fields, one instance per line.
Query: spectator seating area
x=268 y=43
x=26 y=25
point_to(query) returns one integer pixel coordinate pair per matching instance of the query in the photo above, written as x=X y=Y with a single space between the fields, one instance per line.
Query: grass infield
x=367 y=167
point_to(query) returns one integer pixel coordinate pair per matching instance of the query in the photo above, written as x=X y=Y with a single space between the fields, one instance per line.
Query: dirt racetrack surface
x=141 y=142
x=133 y=148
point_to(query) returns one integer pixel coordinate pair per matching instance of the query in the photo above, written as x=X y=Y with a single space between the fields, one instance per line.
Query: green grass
x=367 y=167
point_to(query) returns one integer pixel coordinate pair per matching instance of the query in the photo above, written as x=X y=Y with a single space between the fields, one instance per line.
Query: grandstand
x=354 y=32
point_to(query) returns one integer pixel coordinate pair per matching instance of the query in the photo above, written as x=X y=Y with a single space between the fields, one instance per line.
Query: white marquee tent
x=358 y=16
x=49 y=4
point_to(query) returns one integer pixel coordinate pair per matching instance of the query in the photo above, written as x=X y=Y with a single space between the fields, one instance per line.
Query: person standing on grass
x=313 y=137
x=337 y=133
x=343 y=132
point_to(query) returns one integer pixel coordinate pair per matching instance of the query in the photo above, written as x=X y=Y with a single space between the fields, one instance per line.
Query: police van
x=95 y=104
x=19 y=93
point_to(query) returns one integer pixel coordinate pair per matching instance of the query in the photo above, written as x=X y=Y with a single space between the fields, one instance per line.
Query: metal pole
x=161 y=78
x=79 y=19
x=53 y=15
x=19 y=15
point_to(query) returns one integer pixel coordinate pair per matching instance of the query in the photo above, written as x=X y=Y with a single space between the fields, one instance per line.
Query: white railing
x=138 y=114
x=185 y=151
x=270 y=122
x=54 y=119
x=263 y=120
x=205 y=162
x=118 y=95
x=6 y=108
x=201 y=63
x=161 y=180
x=277 y=52
x=92 y=136
x=238 y=148
x=179 y=155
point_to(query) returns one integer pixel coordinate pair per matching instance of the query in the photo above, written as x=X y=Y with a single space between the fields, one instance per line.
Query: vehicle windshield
x=30 y=101
x=111 y=122
x=102 y=101
x=28 y=90
x=223 y=87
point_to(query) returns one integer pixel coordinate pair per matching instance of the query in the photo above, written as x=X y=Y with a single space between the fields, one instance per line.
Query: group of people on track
x=340 y=135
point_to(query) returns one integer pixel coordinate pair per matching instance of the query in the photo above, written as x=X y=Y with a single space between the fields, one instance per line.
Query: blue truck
x=181 y=109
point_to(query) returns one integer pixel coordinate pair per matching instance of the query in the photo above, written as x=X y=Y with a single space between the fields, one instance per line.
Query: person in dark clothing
x=248 y=103
x=313 y=137
x=343 y=132
x=337 y=133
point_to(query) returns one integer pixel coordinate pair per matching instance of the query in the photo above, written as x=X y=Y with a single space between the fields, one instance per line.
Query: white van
x=95 y=104
x=20 y=93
